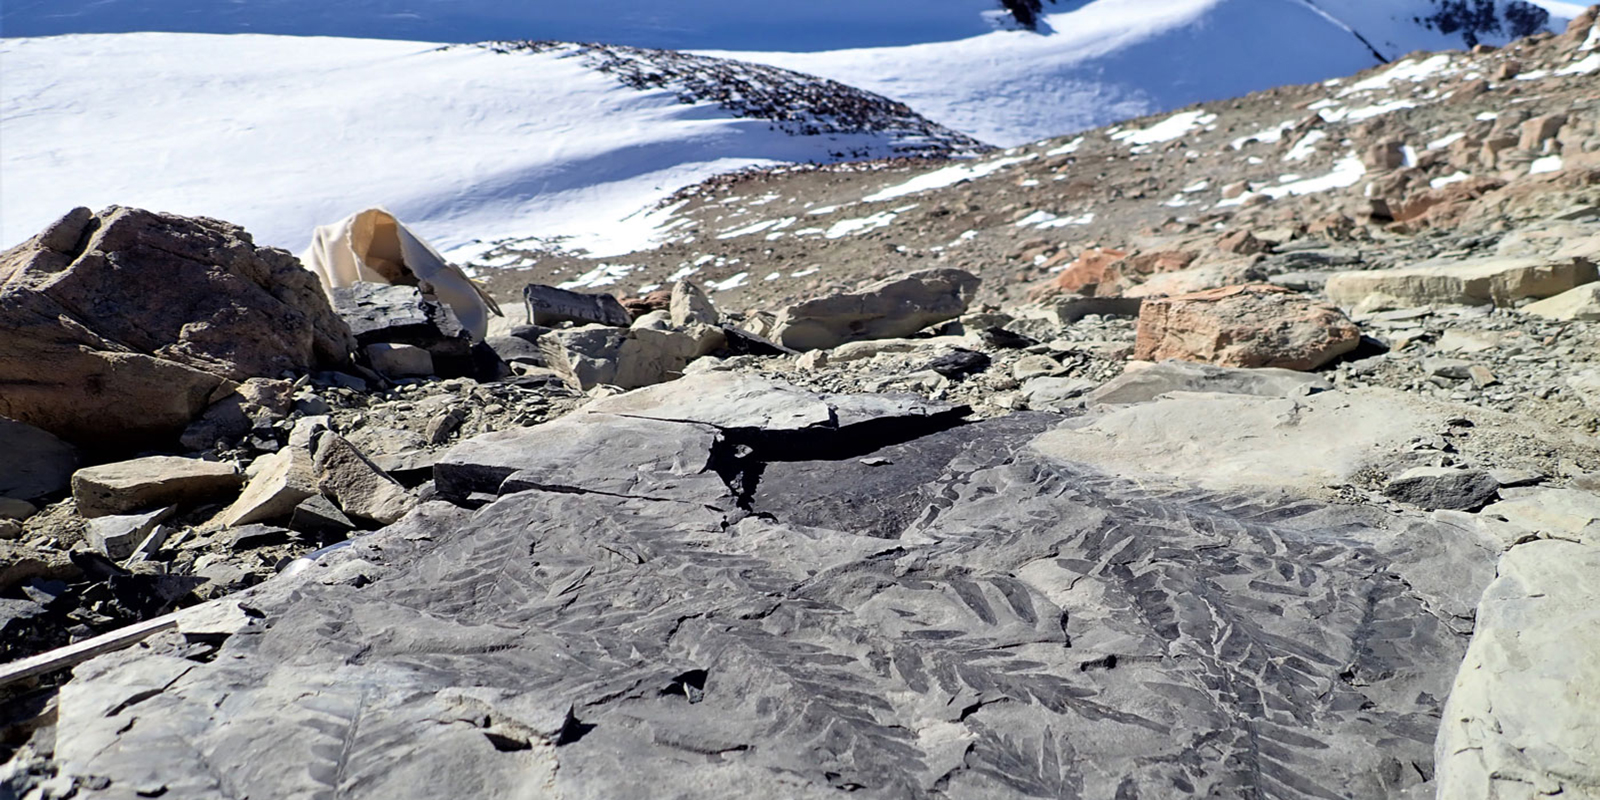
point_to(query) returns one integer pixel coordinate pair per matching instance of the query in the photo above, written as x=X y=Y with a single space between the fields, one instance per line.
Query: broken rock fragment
x=126 y=486
x=1496 y=280
x=356 y=484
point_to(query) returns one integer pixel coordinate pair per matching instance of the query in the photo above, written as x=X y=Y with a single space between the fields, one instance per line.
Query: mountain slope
x=284 y=133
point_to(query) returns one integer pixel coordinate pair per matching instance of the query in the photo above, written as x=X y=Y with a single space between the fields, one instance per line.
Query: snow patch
x=1168 y=129
x=940 y=178
x=1306 y=147
x=1546 y=164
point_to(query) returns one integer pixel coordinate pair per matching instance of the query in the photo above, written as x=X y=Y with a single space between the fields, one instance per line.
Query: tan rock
x=359 y=487
x=690 y=305
x=126 y=486
x=1535 y=131
x=1254 y=325
x=123 y=326
x=1497 y=280
x=279 y=483
x=1582 y=303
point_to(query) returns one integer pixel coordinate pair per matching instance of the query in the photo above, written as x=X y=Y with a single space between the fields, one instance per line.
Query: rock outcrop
x=1498 y=281
x=1523 y=719
x=123 y=326
x=832 y=593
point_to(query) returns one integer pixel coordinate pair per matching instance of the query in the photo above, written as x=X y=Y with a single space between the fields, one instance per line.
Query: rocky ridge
x=938 y=527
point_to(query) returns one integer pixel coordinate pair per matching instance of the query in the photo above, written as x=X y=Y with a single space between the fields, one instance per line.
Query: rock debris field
x=1292 y=495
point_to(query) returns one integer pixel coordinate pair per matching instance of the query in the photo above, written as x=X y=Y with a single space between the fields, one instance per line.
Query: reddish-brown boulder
x=1255 y=325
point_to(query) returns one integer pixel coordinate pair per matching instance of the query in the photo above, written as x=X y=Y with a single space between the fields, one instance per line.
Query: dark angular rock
x=547 y=305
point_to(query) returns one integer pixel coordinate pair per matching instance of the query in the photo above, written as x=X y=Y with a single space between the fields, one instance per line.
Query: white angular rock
x=1523 y=719
x=117 y=535
x=1556 y=513
x=1497 y=280
x=156 y=480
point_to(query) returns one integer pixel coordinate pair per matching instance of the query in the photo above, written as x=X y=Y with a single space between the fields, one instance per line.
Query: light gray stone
x=117 y=536
x=1557 y=513
x=1144 y=384
x=155 y=480
x=888 y=309
x=1497 y=280
x=1056 y=394
x=690 y=305
x=1443 y=487
x=1523 y=719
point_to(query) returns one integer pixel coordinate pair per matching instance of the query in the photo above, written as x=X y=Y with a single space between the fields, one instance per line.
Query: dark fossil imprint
x=960 y=615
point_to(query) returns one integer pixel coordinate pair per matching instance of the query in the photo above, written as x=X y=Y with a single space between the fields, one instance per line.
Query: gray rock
x=1523 y=721
x=117 y=536
x=690 y=305
x=84 y=363
x=1581 y=303
x=156 y=480
x=1443 y=487
x=12 y=508
x=397 y=314
x=595 y=355
x=318 y=515
x=257 y=401
x=1056 y=394
x=36 y=463
x=1144 y=385
x=1497 y=280
x=970 y=612
x=888 y=309
x=1557 y=513
x=547 y=305
x=1036 y=366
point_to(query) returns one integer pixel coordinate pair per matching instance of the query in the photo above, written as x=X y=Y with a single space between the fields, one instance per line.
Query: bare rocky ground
x=1246 y=451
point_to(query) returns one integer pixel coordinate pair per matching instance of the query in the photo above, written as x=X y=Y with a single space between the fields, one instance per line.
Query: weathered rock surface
x=357 y=485
x=1497 y=280
x=1572 y=514
x=123 y=326
x=1257 y=325
x=1582 y=303
x=888 y=309
x=1523 y=719
x=1443 y=487
x=628 y=358
x=116 y=536
x=1143 y=385
x=155 y=480
x=35 y=462
x=399 y=360
x=1234 y=441
x=397 y=314
x=548 y=305
x=901 y=609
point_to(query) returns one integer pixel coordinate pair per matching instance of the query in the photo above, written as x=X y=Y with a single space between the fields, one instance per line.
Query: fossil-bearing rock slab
x=674 y=599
